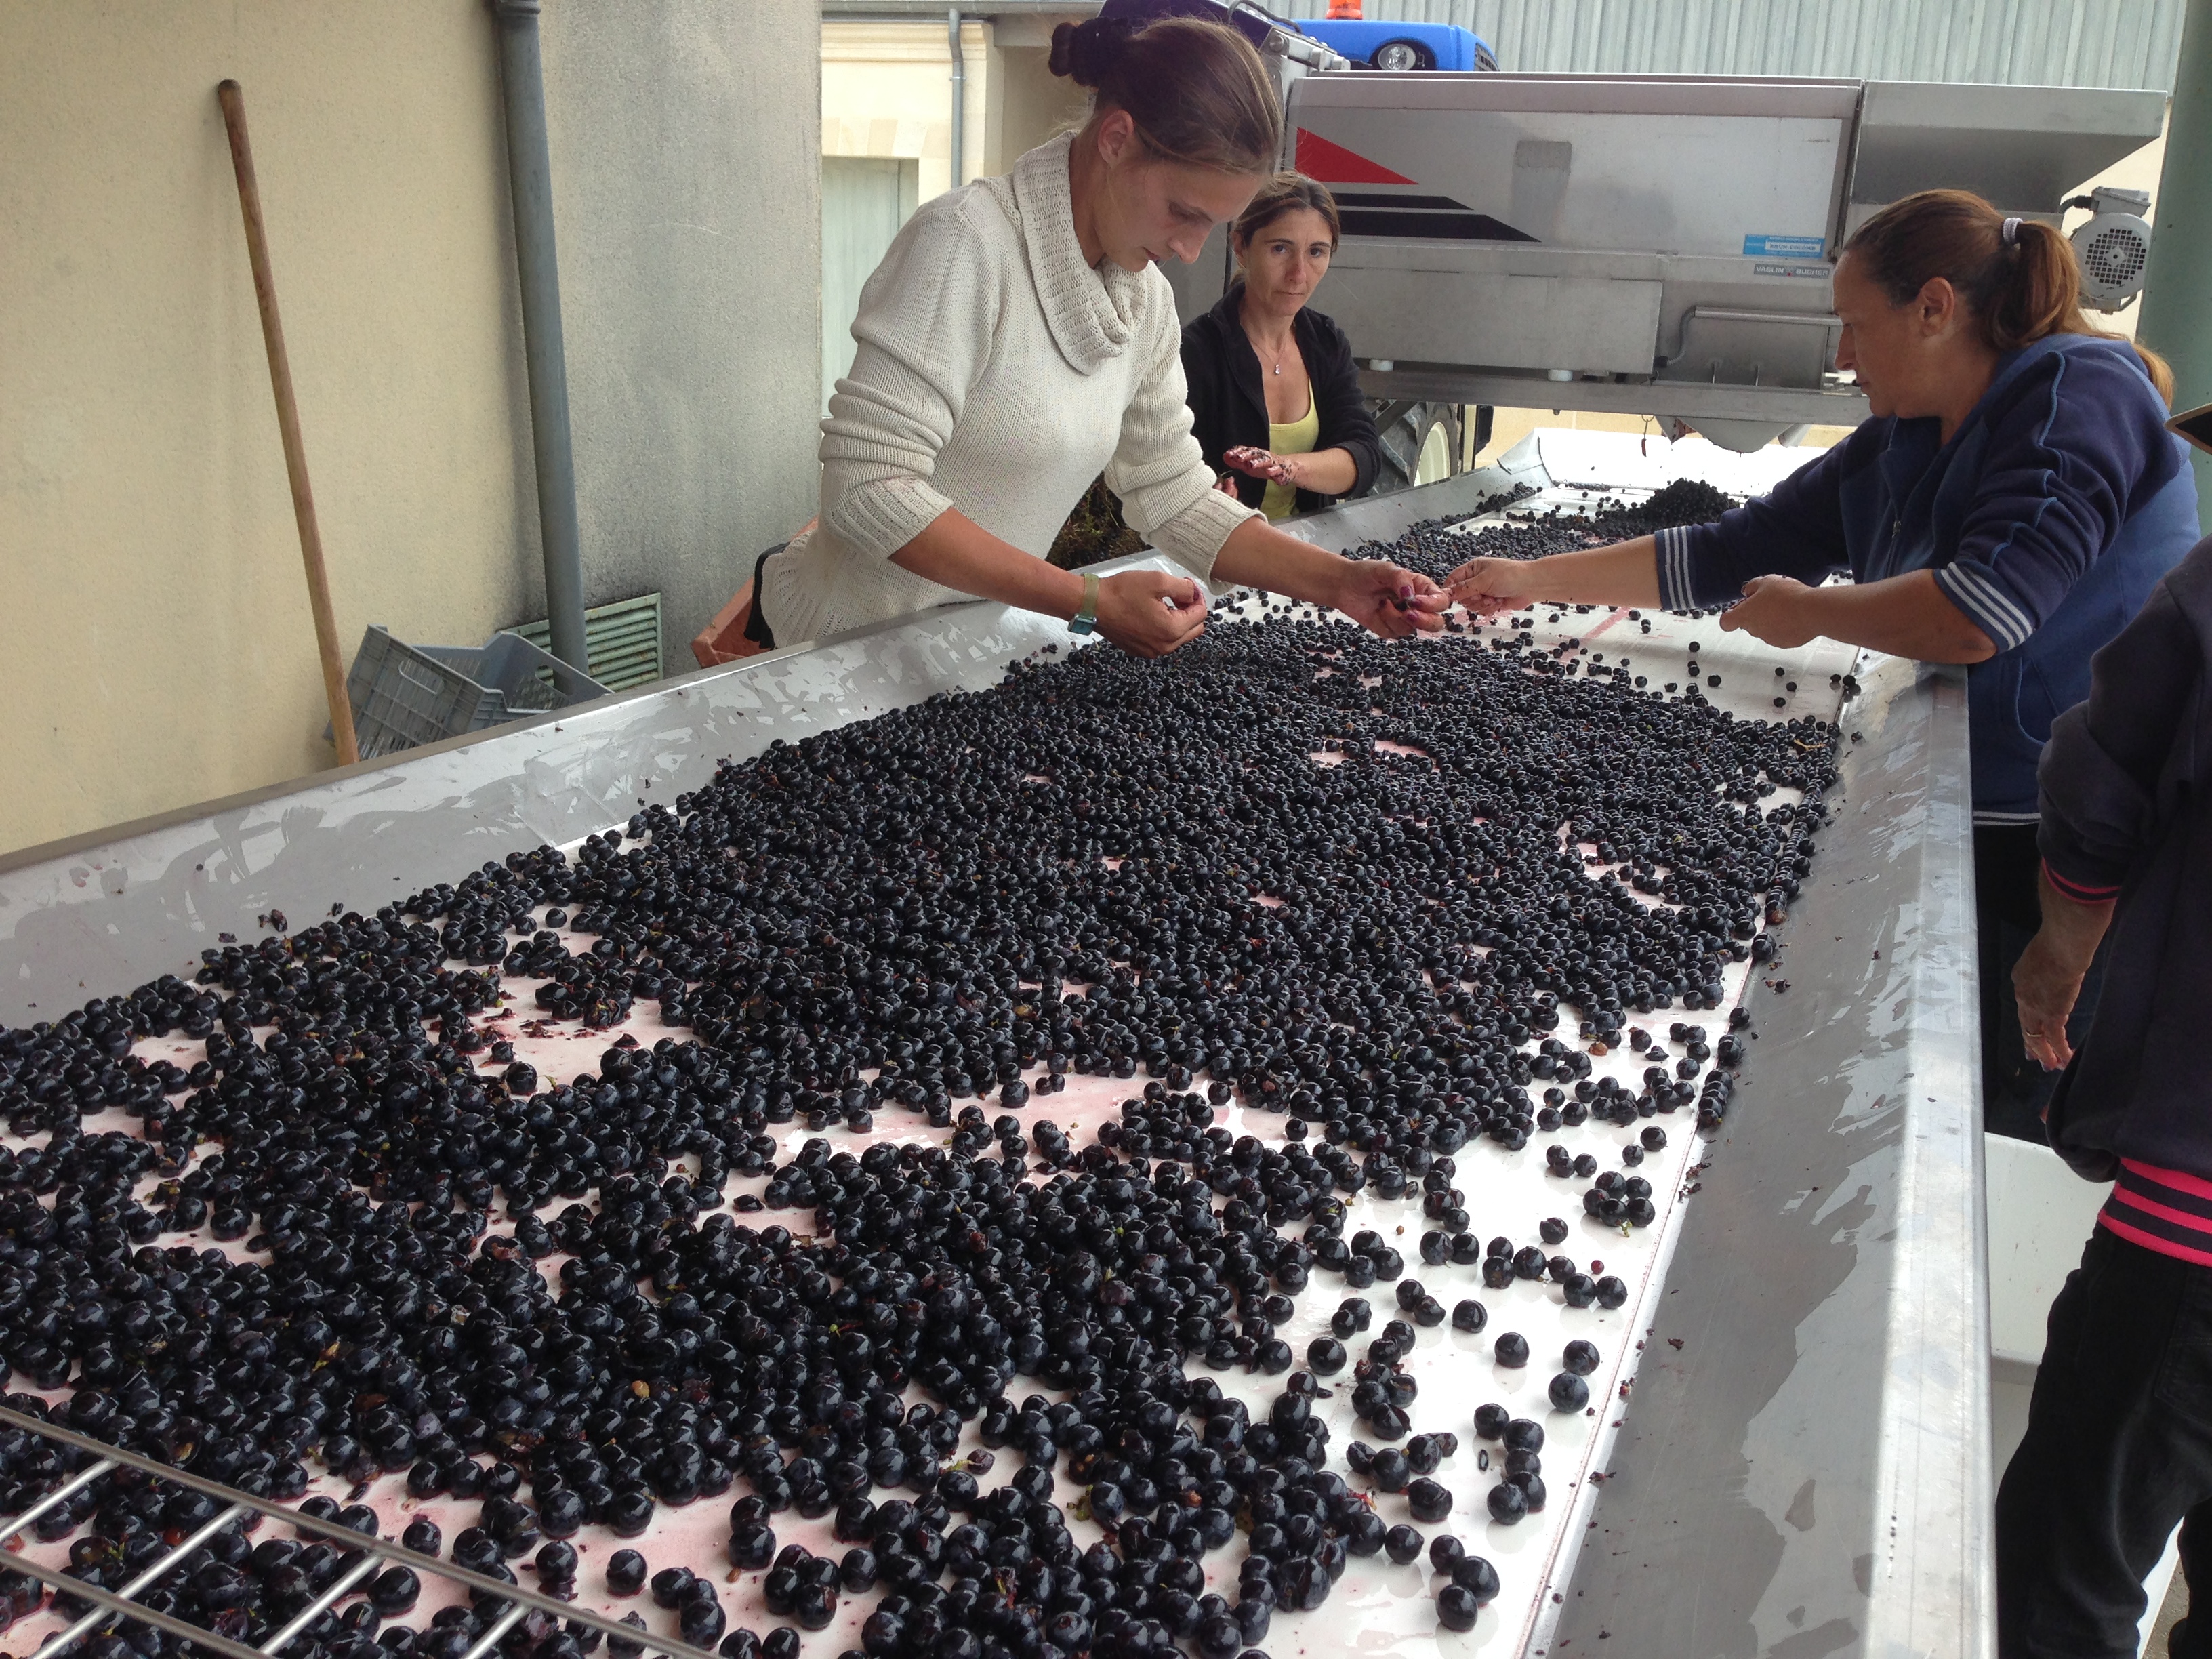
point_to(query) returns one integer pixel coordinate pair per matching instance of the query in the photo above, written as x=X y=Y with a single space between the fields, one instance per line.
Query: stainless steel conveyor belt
x=1806 y=1455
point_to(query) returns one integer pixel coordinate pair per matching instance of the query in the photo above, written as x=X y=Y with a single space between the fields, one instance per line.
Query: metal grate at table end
x=110 y=1605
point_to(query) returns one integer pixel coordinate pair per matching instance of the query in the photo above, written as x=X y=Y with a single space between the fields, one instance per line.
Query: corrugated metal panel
x=622 y=642
x=2050 y=43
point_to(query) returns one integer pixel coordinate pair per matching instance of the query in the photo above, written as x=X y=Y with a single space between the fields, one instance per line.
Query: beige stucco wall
x=887 y=92
x=1030 y=103
x=155 y=648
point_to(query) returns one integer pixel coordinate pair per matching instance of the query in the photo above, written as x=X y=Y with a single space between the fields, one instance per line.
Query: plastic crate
x=405 y=695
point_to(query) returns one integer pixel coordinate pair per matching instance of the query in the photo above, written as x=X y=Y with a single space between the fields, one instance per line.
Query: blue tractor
x=1400 y=46
x=1365 y=44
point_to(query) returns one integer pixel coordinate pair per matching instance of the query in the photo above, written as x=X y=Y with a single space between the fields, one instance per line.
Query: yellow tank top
x=1296 y=439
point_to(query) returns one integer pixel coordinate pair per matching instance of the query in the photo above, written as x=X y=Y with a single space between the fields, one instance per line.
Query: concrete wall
x=155 y=648
x=687 y=198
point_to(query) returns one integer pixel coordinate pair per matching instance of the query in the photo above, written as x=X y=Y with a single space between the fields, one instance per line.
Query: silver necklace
x=1279 y=356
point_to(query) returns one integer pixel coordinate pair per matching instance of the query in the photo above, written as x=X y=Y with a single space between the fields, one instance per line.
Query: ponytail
x=2016 y=276
x=1196 y=90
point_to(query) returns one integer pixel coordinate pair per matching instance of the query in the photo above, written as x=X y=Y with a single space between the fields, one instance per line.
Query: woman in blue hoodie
x=2011 y=504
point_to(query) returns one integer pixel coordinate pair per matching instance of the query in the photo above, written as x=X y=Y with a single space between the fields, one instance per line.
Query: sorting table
x=1791 y=1412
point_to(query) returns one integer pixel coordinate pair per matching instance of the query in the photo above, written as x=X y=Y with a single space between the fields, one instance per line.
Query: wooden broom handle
x=287 y=424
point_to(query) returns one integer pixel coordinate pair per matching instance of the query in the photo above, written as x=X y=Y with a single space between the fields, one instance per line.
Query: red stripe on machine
x=1333 y=164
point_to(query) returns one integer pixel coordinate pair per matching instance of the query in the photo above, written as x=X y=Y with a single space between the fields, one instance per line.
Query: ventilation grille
x=2114 y=258
x=621 y=639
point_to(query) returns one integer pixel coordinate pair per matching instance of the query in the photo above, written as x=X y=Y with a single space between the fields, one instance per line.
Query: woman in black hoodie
x=2118 y=1447
x=1274 y=397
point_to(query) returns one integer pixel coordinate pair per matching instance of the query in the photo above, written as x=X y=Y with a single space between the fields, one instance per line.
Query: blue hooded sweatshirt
x=2048 y=519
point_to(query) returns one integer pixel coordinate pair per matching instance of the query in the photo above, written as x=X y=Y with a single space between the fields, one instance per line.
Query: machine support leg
x=2176 y=314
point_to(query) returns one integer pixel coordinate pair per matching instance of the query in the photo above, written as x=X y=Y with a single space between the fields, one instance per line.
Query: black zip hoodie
x=2126 y=799
x=1228 y=408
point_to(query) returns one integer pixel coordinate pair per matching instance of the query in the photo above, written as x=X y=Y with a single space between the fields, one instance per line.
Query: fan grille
x=2114 y=258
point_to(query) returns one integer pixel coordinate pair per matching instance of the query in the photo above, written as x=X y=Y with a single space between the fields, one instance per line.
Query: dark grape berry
x=814 y=1605
x=561 y=1513
x=752 y=1546
x=1456 y=1609
x=1478 y=1576
x=625 y=1572
x=394 y=1590
x=701 y=1623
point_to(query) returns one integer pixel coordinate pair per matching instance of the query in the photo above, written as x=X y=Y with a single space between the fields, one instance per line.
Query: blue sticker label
x=1785 y=247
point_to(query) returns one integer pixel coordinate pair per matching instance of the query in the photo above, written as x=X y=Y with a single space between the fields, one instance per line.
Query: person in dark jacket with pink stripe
x=2118 y=1447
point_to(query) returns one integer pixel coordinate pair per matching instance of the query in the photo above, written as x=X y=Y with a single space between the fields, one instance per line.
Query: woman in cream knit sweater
x=1016 y=341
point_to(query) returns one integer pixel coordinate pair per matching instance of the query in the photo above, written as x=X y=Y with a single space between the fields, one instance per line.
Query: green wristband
x=1085 y=620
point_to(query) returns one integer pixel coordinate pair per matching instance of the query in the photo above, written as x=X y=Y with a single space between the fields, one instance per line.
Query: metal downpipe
x=959 y=100
x=530 y=175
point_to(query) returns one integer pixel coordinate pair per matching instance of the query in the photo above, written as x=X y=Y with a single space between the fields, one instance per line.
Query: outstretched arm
x=1384 y=599
x=1624 y=574
x=1907 y=616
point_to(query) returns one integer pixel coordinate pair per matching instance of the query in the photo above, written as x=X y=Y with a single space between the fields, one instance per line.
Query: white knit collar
x=1093 y=314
